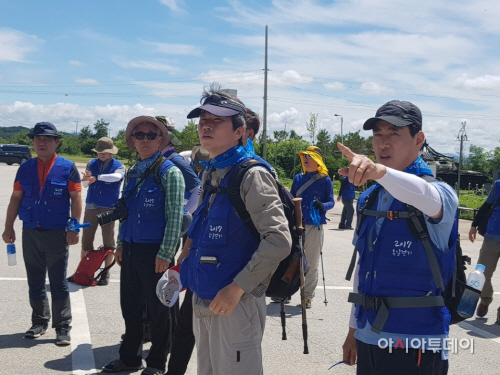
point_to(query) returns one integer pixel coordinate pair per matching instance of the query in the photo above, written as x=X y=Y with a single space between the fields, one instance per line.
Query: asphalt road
x=98 y=325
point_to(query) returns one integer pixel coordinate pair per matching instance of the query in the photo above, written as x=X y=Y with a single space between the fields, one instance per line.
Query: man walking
x=347 y=193
x=490 y=249
x=47 y=191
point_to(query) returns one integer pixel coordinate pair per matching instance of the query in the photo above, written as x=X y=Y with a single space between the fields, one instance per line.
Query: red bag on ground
x=89 y=265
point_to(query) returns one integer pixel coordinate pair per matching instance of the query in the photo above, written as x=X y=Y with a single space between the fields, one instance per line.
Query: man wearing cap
x=316 y=190
x=227 y=269
x=406 y=240
x=47 y=192
x=154 y=194
x=104 y=176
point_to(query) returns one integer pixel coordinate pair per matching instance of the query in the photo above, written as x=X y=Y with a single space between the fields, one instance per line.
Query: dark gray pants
x=46 y=251
x=347 y=212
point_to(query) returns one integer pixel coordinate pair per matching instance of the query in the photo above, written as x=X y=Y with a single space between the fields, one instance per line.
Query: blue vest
x=222 y=245
x=146 y=209
x=494 y=221
x=318 y=188
x=396 y=265
x=48 y=208
x=101 y=193
x=348 y=192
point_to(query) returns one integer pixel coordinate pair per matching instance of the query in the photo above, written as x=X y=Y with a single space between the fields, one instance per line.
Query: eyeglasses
x=140 y=136
x=307 y=156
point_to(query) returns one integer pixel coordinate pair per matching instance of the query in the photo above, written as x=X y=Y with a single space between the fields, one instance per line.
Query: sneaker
x=118 y=366
x=36 y=331
x=62 y=336
x=152 y=371
x=278 y=300
x=482 y=310
x=104 y=280
x=308 y=302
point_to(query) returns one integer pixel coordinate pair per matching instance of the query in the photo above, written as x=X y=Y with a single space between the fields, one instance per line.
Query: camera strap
x=142 y=176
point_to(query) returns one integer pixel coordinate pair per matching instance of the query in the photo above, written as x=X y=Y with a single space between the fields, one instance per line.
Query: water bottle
x=11 y=254
x=475 y=283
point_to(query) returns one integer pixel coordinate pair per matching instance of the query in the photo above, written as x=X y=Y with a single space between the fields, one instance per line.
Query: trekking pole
x=283 y=322
x=300 y=232
x=322 y=268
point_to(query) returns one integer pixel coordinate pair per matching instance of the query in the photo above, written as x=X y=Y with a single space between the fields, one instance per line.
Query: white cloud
x=334 y=86
x=487 y=81
x=173 y=5
x=16 y=45
x=175 y=49
x=76 y=63
x=87 y=81
x=147 y=65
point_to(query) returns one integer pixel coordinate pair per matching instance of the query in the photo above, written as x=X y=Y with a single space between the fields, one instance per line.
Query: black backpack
x=285 y=281
x=453 y=291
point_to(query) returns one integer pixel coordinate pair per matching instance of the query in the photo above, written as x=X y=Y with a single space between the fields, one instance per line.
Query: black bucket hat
x=45 y=129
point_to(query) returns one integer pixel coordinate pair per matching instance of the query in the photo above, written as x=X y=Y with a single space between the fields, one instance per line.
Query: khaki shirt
x=260 y=195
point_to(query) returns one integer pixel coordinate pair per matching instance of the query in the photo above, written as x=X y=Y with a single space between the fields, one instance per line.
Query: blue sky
x=66 y=60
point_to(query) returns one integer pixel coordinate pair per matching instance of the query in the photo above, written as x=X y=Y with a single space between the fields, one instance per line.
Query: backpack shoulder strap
x=369 y=200
x=172 y=156
x=314 y=178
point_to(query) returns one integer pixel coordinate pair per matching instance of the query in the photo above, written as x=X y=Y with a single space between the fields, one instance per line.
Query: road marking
x=480 y=332
x=82 y=355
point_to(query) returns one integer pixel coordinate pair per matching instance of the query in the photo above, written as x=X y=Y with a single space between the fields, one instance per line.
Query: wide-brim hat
x=45 y=129
x=198 y=154
x=145 y=119
x=397 y=113
x=317 y=155
x=105 y=144
x=170 y=125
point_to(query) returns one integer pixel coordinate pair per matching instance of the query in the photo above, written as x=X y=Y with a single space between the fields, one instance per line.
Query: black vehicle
x=11 y=154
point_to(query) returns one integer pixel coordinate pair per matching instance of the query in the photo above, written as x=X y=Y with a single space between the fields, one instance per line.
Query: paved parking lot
x=98 y=325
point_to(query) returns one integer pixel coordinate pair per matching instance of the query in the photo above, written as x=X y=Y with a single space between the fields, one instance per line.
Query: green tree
x=312 y=126
x=124 y=152
x=294 y=135
x=70 y=144
x=476 y=160
x=101 y=128
x=323 y=141
x=280 y=135
x=86 y=133
x=188 y=136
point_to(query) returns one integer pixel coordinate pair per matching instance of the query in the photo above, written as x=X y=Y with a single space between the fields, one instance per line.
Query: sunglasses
x=140 y=136
x=307 y=156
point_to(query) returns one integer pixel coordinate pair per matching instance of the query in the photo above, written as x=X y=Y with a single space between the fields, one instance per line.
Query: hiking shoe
x=118 y=366
x=482 y=310
x=308 y=302
x=62 y=336
x=152 y=371
x=498 y=317
x=36 y=331
x=342 y=226
x=349 y=227
x=104 y=280
x=278 y=300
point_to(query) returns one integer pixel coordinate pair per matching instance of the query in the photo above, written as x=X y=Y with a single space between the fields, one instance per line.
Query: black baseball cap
x=219 y=106
x=397 y=113
x=45 y=129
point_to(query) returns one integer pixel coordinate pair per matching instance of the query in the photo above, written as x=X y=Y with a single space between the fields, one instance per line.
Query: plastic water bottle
x=11 y=254
x=471 y=295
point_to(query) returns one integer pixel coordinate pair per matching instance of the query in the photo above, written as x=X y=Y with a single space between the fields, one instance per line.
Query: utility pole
x=264 y=115
x=462 y=136
x=76 y=129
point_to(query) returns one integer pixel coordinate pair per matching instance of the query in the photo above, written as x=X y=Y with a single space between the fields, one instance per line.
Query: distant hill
x=10 y=132
x=454 y=156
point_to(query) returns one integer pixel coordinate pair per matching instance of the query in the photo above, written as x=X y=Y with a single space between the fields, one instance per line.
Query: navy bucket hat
x=44 y=129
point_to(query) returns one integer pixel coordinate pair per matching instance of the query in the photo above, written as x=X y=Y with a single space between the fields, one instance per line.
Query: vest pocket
x=57 y=188
x=25 y=214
